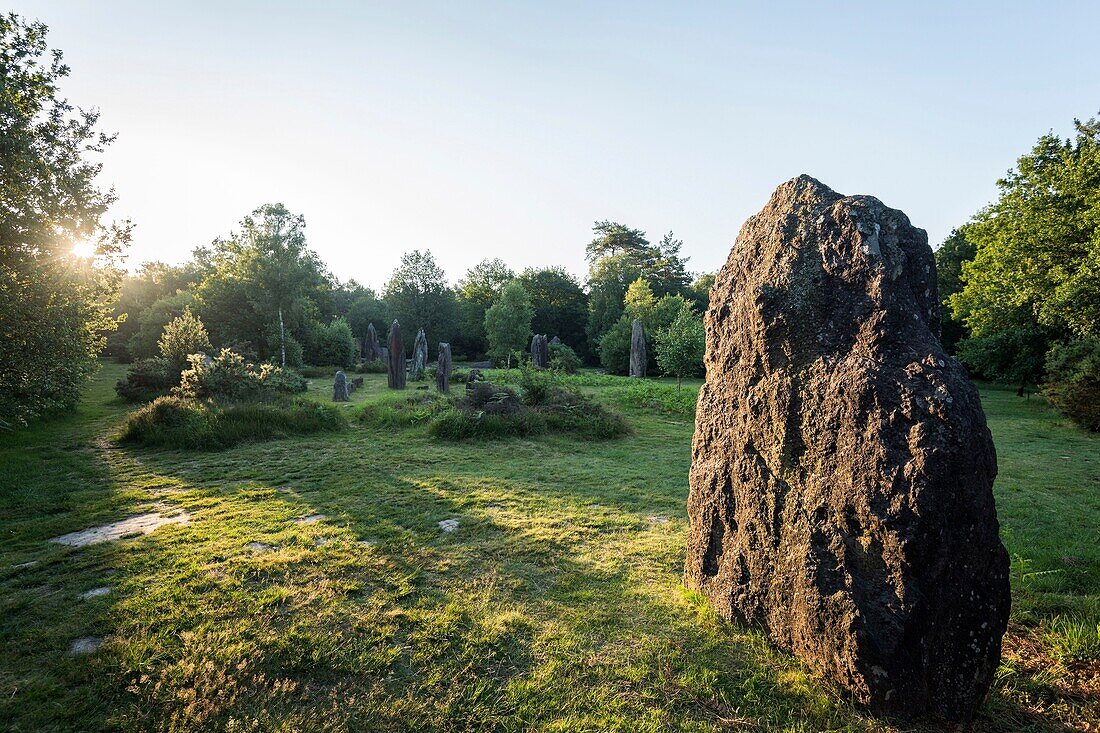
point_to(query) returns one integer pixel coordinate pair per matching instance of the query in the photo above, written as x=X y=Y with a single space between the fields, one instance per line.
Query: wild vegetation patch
x=181 y=422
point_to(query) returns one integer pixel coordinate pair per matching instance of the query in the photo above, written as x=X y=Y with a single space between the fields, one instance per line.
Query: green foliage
x=1073 y=381
x=1011 y=355
x=152 y=282
x=417 y=296
x=55 y=307
x=508 y=323
x=147 y=379
x=476 y=292
x=950 y=257
x=365 y=310
x=561 y=306
x=334 y=344
x=228 y=376
x=639 y=301
x=177 y=422
x=148 y=325
x=182 y=337
x=563 y=359
x=1038 y=246
x=403 y=411
x=615 y=347
x=680 y=346
x=699 y=292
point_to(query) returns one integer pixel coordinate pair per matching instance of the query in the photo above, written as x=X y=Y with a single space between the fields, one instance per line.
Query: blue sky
x=505 y=129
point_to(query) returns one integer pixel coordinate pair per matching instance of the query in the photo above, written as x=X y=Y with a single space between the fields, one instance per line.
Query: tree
x=417 y=296
x=365 y=310
x=561 y=306
x=1037 y=247
x=55 y=307
x=476 y=291
x=615 y=347
x=639 y=301
x=680 y=346
x=699 y=291
x=140 y=290
x=264 y=283
x=508 y=323
x=182 y=337
x=950 y=257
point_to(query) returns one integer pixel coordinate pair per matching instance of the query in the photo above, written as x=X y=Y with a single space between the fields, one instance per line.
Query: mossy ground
x=555 y=605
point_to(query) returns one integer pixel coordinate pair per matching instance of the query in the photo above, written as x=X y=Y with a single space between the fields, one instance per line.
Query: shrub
x=147 y=379
x=478 y=425
x=335 y=344
x=178 y=422
x=615 y=347
x=228 y=376
x=374 y=367
x=1073 y=381
x=563 y=359
x=182 y=337
x=680 y=347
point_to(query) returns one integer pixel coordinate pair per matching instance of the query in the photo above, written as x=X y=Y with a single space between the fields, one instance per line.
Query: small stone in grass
x=85 y=645
x=94 y=593
x=23 y=565
x=657 y=519
x=259 y=547
x=311 y=519
x=449 y=525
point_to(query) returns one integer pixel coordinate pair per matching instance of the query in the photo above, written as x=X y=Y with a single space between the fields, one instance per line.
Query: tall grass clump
x=652 y=395
x=415 y=409
x=180 y=422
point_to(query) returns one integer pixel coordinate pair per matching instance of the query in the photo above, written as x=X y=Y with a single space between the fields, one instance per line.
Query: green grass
x=555 y=605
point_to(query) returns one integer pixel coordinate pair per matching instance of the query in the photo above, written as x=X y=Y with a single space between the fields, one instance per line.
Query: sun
x=83 y=249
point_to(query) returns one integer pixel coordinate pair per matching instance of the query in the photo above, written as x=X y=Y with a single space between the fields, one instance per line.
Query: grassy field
x=556 y=604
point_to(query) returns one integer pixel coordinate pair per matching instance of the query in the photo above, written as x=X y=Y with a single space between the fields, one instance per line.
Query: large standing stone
x=842 y=472
x=540 y=351
x=340 y=388
x=395 y=358
x=372 y=350
x=639 y=357
x=443 y=368
x=420 y=356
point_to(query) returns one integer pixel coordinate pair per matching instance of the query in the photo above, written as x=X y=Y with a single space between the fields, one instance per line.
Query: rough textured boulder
x=340 y=388
x=842 y=472
x=639 y=357
x=372 y=351
x=443 y=368
x=395 y=358
x=540 y=351
x=555 y=341
x=420 y=356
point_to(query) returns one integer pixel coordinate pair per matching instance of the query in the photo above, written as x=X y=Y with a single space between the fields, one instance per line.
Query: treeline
x=1020 y=282
x=262 y=292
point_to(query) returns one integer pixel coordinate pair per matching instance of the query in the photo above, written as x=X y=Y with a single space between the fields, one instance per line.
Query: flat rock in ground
x=311 y=519
x=259 y=547
x=85 y=645
x=139 y=524
x=448 y=525
x=95 y=593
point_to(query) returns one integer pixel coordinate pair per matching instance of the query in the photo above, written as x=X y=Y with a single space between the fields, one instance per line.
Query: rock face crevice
x=841 y=482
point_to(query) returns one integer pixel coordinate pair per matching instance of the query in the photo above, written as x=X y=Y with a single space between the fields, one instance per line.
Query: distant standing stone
x=372 y=350
x=443 y=368
x=842 y=471
x=420 y=356
x=555 y=341
x=639 y=357
x=472 y=378
x=340 y=388
x=395 y=361
x=540 y=351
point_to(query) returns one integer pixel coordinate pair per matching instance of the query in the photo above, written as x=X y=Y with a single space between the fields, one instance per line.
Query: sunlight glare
x=83 y=249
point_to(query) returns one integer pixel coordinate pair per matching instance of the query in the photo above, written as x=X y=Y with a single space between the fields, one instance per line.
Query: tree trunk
x=282 y=339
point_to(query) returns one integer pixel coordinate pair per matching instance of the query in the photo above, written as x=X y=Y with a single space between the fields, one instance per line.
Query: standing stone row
x=372 y=351
x=443 y=368
x=420 y=356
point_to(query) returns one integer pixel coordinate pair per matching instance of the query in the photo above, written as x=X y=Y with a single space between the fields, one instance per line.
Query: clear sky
x=505 y=129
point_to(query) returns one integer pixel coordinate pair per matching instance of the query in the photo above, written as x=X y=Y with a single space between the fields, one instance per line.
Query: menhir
x=841 y=481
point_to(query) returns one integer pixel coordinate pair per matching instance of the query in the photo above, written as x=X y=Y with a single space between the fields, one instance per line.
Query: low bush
x=178 y=422
x=1073 y=381
x=563 y=359
x=465 y=424
x=147 y=379
x=653 y=395
x=229 y=377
